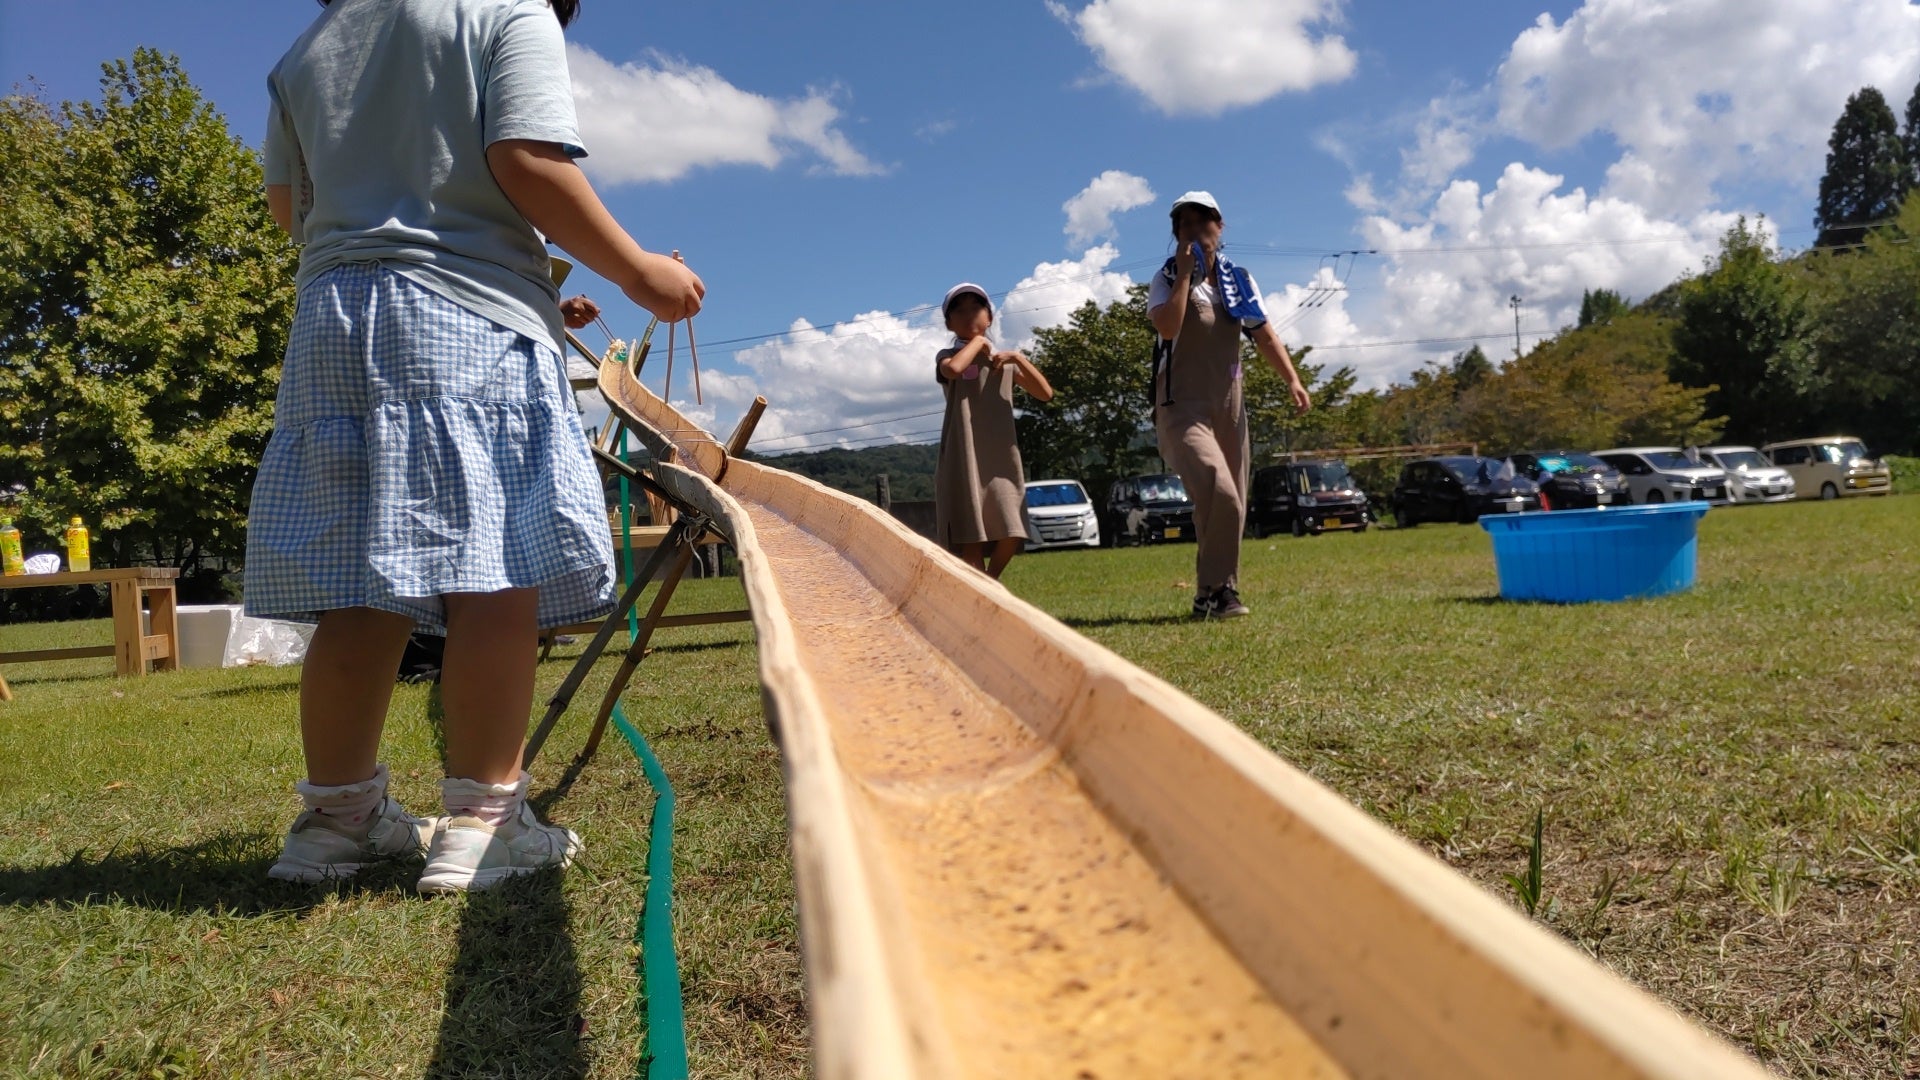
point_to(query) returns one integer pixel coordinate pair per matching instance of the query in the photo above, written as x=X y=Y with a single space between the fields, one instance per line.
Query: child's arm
x=1026 y=376
x=1267 y=340
x=280 y=205
x=955 y=364
x=554 y=196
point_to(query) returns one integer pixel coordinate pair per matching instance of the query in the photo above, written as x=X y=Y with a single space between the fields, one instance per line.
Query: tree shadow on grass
x=224 y=874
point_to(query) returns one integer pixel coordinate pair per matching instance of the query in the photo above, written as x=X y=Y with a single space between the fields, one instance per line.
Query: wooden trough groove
x=1017 y=854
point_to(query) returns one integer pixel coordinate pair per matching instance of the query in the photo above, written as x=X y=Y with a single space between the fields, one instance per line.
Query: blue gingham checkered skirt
x=420 y=449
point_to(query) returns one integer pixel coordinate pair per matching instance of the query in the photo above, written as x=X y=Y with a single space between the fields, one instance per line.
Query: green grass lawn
x=1729 y=782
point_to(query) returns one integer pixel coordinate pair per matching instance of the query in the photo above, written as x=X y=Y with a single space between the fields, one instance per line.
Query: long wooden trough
x=1017 y=854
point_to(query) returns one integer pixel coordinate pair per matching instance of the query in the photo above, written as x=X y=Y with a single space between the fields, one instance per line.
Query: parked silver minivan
x=1751 y=477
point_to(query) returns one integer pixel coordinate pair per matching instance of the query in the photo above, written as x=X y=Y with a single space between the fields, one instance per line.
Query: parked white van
x=1658 y=474
x=1059 y=514
x=1831 y=466
x=1750 y=476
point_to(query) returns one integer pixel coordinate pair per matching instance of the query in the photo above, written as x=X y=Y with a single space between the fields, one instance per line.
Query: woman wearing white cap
x=979 y=487
x=1201 y=305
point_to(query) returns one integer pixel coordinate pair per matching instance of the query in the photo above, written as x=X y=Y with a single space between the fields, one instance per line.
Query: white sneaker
x=469 y=854
x=321 y=848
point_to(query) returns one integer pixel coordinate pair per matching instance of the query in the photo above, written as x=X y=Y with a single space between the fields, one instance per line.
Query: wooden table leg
x=5 y=694
x=166 y=624
x=128 y=658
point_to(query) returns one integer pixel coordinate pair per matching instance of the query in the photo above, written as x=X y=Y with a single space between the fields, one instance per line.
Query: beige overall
x=1203 y=436
x=979 y=489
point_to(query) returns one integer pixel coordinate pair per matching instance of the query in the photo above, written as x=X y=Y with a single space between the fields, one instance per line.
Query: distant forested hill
x=909 y=469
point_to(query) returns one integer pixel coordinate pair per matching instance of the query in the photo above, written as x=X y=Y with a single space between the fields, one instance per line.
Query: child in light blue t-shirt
x=427 y=467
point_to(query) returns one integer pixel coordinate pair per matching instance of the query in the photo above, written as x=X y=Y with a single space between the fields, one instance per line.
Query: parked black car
x=1306 y=497
x=1460 y=489
x=1148 y=510
x=1571 y=480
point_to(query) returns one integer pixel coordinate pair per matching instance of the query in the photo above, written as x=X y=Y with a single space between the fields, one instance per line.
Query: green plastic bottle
x=13 y=558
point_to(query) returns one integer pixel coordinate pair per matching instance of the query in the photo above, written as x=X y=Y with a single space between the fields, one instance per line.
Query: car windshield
x=1841 y=453
x=1484 y=471
x=1067 y=493
x=1163 y=489
x=1667 y=459
x=1742 y=460
x=1331 y=476
x=1570 y=463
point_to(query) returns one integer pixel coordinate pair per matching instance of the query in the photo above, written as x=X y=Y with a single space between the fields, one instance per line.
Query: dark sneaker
x=1221 y=603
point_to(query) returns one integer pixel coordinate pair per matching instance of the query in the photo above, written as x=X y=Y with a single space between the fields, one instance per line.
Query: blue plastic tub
x=1613 y=553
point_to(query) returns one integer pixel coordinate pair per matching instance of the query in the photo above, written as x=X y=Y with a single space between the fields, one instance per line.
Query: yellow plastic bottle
x=13 y=559
x=79 y=549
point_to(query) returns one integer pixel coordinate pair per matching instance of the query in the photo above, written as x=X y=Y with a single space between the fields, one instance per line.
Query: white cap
x=1195 y=198
x=962 y=289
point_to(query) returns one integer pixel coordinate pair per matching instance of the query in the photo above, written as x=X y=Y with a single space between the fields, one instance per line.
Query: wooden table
x=131 y=648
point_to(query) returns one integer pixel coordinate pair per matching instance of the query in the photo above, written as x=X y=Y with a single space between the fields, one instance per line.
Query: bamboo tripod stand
x=675 y=553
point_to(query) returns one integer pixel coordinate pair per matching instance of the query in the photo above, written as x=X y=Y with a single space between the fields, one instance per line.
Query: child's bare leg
x=1003 y=553
x=973 y=554
x=346 y=684
x=486 y=682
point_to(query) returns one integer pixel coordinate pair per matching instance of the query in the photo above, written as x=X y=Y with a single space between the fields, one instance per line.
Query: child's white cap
x=1195 y=198
x=963 y=289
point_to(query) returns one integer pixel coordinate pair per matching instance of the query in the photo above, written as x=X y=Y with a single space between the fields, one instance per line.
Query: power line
x=844 y=444
x=1430 y=341
x=851 y=427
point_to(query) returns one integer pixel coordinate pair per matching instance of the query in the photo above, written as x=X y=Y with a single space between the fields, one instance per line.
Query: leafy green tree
x=1866 y=172
x=1471 y=368
x=1864 y=324
x=1598 y=306
x=1742 y=334
x=1275 y=427
x=1910 y=143
x=145 y=295
x=1605 y=385
x=1099 y=425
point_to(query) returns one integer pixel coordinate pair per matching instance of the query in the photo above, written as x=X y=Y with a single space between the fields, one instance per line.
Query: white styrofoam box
x=205 y=630
x=221 y=635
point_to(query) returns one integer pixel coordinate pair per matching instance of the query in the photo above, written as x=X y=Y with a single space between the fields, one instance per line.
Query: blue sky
x=838 y=162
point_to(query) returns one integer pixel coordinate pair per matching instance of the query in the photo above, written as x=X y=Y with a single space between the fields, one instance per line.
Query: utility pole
x=1514 y=302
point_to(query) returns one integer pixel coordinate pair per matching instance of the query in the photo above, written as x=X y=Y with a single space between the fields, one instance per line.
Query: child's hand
x=578 y=311
x=666 y=287
x=1184 y=261
x=1004 y=357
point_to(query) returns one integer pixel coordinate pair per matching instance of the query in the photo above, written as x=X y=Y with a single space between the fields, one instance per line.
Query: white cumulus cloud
x=1208 y=56
x=1449 y=273
x=1090 y=213
x=1696 y=92
x=658 y=119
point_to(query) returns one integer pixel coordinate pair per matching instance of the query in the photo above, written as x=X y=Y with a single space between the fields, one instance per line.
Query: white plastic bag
x=44 y=563
x=267 y=641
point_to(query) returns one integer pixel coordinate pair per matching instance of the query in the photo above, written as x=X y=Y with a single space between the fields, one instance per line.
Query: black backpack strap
x=1159 y=394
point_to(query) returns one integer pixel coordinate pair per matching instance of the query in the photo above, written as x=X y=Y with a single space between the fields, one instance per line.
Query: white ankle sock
x=495 y=804
x=350 y=804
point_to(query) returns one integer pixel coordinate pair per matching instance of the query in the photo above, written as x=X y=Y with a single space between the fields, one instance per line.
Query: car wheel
x=1360 y=528
x=1258 y=529
x=1828 y=491
x=1656 y=496
x=1466 y=515
x=1403 y=518
x=1299 y=530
